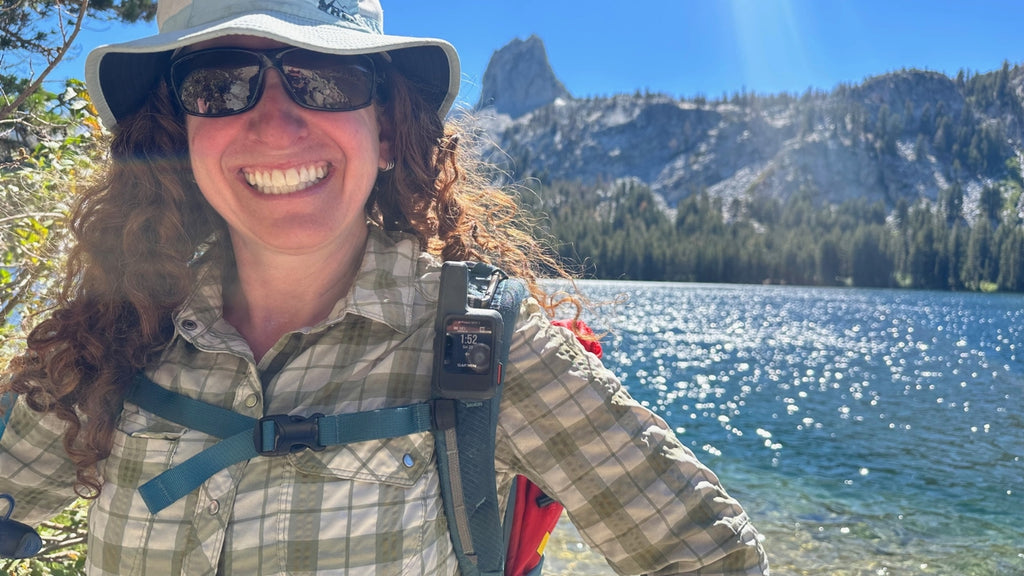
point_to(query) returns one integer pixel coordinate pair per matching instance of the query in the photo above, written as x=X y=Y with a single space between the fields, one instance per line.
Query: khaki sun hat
x=120 y=75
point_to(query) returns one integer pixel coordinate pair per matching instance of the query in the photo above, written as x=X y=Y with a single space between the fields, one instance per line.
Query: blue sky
x=710 y=47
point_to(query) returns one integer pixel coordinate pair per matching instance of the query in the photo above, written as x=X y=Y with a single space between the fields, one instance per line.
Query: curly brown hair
x=136 y=230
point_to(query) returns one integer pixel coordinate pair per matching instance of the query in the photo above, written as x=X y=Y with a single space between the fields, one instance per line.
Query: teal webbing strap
x=7 y=400
x=375 y=424
x=245 y=438
x=171 y=485
x=188 y=412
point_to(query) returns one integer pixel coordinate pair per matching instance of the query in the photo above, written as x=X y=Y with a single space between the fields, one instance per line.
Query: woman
x=267 y=238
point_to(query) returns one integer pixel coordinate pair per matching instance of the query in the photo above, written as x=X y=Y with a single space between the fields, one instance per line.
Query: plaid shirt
x=635 y=492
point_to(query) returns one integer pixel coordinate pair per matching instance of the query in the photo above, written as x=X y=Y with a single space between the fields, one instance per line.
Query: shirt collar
x=385 y=286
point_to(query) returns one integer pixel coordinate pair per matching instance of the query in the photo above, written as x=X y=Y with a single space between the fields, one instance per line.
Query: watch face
x=468 y=345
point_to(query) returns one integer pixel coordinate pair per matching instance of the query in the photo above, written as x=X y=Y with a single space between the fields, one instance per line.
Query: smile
x=285 y=181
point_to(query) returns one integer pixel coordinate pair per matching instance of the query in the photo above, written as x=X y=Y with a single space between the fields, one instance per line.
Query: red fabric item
x=535 y=514
x=584 y=334
x=531 y=527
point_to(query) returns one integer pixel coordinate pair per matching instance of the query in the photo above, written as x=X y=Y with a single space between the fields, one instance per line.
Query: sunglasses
x=226 y=81
x=17 y=540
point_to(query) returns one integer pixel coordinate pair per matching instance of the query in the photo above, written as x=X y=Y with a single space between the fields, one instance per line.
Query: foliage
x=620 y=231
x=37 y=184
x=35 y=35
x=965 y=131
x=49 y=143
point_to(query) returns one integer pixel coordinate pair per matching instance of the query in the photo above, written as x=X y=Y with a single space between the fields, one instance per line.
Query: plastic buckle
x=281 y=434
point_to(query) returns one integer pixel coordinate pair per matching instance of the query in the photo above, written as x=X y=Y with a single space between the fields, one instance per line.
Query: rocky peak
x=519 y=79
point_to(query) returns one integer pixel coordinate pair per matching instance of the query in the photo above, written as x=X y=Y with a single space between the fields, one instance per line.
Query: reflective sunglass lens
x=221 y=82
x=216 y=84
x=327 y=82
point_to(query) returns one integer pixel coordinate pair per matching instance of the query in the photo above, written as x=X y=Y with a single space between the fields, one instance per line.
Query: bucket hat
x=119 y=76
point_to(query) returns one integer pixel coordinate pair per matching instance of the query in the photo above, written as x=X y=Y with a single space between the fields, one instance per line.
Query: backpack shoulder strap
x=7 y=400
x=465 y=439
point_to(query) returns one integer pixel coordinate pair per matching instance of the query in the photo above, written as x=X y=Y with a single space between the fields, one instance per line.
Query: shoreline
x=567 y=554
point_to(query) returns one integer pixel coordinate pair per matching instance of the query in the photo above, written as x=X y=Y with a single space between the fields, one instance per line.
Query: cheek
x=204 y=146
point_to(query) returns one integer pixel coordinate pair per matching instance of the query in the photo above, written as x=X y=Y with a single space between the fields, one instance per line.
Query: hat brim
x=119 y=76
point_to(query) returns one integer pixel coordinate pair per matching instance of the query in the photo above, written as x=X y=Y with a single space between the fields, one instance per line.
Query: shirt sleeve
x=634 y=492
x=34 y=468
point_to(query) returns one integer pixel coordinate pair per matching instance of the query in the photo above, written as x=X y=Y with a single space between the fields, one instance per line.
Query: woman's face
x=284 y=178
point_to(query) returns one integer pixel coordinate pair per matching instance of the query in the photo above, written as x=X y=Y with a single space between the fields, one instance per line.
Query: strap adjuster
x=281 y=434
x=442 y=413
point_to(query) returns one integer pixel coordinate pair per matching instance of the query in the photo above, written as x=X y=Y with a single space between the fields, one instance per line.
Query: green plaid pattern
x=636 y=494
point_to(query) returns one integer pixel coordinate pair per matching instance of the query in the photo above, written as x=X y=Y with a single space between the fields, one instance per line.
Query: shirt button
x=213 y=508
x=408 y=461
x=251 y=401
x=189 y=325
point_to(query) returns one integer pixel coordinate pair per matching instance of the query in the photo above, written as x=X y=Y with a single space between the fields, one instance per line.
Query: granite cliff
x=906 y=135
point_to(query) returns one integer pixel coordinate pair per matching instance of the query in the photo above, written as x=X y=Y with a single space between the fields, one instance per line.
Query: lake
x=867 y=432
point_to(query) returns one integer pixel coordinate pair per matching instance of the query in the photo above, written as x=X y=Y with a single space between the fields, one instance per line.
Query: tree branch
x=35 y=215
x=15 y=300
x=31 y=89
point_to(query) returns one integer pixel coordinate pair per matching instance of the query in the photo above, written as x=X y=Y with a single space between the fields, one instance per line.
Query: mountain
x=519 y=79
x=902 y=136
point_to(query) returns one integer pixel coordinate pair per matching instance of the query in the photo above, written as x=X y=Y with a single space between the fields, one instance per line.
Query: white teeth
x=285 y=181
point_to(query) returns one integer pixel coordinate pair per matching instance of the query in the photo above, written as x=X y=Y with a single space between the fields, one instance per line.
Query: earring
x=389 y=167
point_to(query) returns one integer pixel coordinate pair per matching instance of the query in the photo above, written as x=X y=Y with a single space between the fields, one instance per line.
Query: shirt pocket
x=400 y=461
x=121 y=528
x=144 y=446
x=136 y=423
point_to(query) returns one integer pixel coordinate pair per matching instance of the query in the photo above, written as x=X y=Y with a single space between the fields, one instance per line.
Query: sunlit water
x=867 y=432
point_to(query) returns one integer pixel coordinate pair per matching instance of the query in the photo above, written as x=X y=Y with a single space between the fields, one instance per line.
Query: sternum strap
x=244 y=438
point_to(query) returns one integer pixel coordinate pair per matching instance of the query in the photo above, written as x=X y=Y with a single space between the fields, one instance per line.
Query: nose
x=276 y=118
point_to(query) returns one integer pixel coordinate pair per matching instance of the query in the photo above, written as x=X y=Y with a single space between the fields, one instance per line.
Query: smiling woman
x=266 y=248
x=290 y=177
